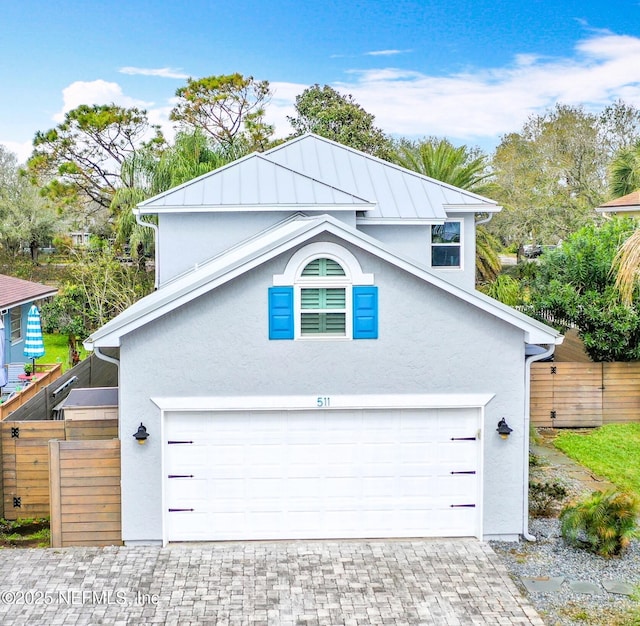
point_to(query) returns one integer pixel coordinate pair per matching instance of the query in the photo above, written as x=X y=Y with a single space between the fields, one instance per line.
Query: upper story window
x=323 y=305
x=323 y=294
x=16 y=324
x=446 y=245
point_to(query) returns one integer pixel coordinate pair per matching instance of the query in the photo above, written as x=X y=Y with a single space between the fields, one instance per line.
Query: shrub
x=604 y=522
x=544 y=497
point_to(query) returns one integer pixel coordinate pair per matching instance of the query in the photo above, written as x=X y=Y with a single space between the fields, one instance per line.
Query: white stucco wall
x=414 y=242
x=429 y=342
x=186 y=239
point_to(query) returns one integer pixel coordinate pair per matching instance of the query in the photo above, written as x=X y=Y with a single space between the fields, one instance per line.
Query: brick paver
x=298 y=583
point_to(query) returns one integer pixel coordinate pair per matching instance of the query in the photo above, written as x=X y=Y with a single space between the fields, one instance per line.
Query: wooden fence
x=85 y=493
x=575 y=395
x=92 y=372
x=25 y=460
x=44 y=379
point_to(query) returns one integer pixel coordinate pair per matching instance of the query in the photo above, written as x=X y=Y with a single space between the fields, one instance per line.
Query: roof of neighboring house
x=15 y=291
x=273 y=242
x=630 y=202
x=314 y=173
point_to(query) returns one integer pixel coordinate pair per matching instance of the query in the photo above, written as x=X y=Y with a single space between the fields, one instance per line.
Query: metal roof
x=315 y=174
x=254 y=183
x=15 y=291
x=398 y=193
x=257 y=250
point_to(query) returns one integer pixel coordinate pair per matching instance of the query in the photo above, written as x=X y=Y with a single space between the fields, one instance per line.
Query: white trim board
x=323 y=401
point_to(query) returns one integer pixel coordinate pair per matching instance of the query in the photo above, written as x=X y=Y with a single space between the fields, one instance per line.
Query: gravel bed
x=551 y=556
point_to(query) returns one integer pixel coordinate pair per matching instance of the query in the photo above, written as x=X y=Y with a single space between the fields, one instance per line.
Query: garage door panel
x=314 y=474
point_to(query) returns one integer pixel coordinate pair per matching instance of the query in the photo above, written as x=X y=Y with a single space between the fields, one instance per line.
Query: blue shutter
x=280 y=312
x=365 y=312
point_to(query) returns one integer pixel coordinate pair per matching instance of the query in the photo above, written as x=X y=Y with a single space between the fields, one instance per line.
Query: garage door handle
x=179 y=442
x=462 y=506
x=180 y=476
x=463 y=438
x=174 y=510
x=465 y=472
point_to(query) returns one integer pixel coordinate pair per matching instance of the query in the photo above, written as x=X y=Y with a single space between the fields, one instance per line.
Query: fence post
x=55 y=519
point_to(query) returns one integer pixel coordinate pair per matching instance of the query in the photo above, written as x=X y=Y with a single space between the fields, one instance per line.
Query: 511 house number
x=323 y=402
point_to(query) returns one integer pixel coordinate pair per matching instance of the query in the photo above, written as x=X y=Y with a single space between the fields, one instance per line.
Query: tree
x=574 y=285
x=79 y=161
x=151 y=172
x=440 y=159
x=624 y=171
x=324 y=111
x=25 y=217
x=552 y=174
x=461 y=167
x=227 y=108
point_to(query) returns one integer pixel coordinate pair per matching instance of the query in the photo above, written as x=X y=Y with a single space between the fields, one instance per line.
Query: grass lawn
x=57 y=350
x=612 y=451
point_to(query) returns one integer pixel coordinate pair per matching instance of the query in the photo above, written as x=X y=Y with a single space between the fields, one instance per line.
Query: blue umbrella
x=33 y=344
x=3 y=371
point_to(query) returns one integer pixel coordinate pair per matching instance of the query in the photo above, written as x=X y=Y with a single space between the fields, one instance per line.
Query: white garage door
x=322 y=474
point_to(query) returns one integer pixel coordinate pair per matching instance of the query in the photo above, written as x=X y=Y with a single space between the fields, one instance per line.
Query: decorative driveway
x=311 y=583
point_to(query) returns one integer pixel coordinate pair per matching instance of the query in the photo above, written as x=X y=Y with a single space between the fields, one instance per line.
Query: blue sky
x=470 y=70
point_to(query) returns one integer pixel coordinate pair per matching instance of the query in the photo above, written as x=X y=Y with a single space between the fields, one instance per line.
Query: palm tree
x=440 y=159
x=624 y=178
x=151 y=173
x=460 y=167
x=624 y=171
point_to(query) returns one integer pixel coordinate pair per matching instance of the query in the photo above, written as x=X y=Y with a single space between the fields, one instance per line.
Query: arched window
x=323 y=294
x=323 y=299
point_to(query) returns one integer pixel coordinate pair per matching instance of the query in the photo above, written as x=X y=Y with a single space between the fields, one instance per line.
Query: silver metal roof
x=311 y=173
x=398 y=193
x=254 y=183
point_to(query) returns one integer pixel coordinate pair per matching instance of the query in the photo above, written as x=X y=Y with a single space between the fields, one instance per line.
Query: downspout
x=485 y=220
x=107 y=358
x=136 y=213
x=527 y=419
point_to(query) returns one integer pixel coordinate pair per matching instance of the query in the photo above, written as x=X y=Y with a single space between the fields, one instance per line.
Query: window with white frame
x=323 y=294
x=323 y=302
x=446 y=245
x=16 y=324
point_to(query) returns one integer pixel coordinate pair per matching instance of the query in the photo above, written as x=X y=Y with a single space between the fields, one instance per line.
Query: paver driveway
x=440 y=582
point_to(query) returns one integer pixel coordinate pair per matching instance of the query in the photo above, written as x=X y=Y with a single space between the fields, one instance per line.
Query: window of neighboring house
x=446 y=247
x=16 y=325
x=323 y=294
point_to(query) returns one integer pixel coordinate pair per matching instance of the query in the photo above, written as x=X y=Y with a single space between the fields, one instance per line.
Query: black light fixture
x=142 y=434
x=503 y=429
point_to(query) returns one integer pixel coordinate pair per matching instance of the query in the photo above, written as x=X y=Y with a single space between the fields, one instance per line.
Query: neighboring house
x=16 y=297
x=628 y=205
x=316 y=362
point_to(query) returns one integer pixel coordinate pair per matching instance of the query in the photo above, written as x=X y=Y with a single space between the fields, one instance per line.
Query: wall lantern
x=142 y=434
x=503 y=429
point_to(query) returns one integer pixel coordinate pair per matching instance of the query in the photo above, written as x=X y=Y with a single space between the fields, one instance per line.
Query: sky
x=468 y=70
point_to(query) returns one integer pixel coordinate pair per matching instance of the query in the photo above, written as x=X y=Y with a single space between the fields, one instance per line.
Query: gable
x=287 y=237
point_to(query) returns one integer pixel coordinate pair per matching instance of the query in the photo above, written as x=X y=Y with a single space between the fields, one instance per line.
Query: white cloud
x=22 y=150
x=95 y=92
x=483 y=104
x=162 y=72
x=385 y=53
